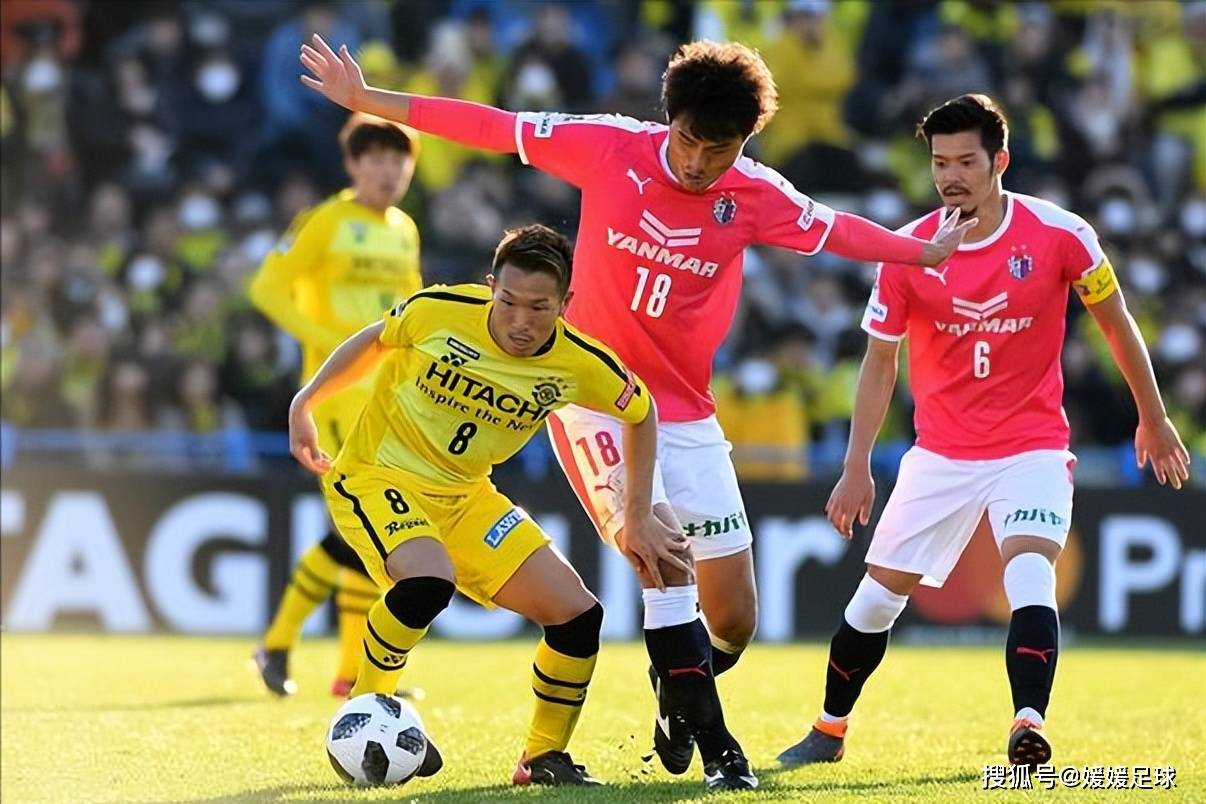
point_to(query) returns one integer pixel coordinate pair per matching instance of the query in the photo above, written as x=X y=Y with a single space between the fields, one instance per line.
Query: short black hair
x=972 y=112
x=364 y=131
x=725 y=88
x=537 y=248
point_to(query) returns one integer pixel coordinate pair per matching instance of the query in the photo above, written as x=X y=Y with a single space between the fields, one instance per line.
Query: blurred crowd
x=154 y=151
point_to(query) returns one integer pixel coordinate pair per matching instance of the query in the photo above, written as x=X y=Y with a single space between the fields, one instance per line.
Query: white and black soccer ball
x=376 y=739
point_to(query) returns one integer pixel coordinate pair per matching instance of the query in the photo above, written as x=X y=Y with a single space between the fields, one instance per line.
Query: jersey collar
x=1002 y=227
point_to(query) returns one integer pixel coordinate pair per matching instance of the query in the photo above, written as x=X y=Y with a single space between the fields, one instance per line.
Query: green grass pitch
x=163 y=718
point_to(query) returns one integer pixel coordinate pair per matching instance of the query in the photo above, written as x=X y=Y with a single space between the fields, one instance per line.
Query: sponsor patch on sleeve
x=1098 y=284
x=808 y=215
x=627 y=394
x=544 y=126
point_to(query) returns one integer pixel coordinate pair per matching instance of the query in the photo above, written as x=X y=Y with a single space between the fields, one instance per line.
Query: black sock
x=682 y=657
x=722 y=661
x=1030 y=654
x=853 y=657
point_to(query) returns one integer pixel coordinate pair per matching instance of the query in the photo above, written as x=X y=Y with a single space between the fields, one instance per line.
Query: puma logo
x=845 y=674
x=1022 y=650
x=638 y=181
x=940 y=275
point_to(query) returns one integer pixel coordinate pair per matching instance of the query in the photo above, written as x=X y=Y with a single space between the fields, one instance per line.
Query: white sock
x=1029 y=714
x=675 y=606
x=828 y=718
x=1029 y=581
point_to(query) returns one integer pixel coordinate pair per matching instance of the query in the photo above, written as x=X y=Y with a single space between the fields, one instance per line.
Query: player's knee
x=732 y=630
x=1030 y=581
x=415 y=602
x=342 y=553
x=874 y=608
x=578 y=637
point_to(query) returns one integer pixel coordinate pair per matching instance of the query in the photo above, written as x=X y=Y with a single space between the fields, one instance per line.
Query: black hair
x=972 y=112
x=363 y=132
x=724 y=88
x=536 y=248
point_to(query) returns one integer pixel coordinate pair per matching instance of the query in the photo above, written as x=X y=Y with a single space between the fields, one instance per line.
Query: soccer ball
x=376 y=739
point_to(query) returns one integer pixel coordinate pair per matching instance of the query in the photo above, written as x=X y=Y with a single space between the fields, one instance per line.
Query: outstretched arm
x=337 y=77
x=857 y=238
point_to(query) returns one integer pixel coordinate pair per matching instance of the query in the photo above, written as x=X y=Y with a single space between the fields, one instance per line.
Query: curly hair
x=725 y=88
x=538 y=248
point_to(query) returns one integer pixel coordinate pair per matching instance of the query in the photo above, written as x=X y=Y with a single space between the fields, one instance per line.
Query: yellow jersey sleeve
x=605 y=385
x=272 y=287
x=1097 y=284
x=401 y=324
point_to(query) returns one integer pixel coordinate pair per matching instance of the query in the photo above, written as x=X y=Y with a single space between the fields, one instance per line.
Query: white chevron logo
x=978 y=311
x=666 y=236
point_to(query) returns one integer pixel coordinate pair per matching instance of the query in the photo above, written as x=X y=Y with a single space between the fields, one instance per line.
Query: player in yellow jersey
x=339 y=267
x=467 y=374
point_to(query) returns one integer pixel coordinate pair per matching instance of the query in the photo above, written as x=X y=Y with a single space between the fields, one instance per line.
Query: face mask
x=145 y=273
x=1179 y=343
x=536 y=80
x=1193 y=218
x=1055 y=196
x=199 y=212
x=1147 y=276
x=1117 y=216
x=218 y=81
x=885 y=205
x=257 y=245
x=43 y=75
x=112 y=312
x=756 y=376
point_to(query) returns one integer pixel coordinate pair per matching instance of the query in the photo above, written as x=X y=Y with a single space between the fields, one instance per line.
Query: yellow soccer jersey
x=338 y=268
x=449 y=403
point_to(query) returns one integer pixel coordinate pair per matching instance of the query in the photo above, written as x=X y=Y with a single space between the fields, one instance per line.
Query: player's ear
x=569 y=294
x=490 y=281
x=1001 y=161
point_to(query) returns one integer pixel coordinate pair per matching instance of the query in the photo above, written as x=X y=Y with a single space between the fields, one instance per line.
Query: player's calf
x=396 y=623
x=1031 y=651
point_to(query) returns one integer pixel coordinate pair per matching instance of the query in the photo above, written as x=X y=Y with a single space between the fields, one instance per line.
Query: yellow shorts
x=486 y=535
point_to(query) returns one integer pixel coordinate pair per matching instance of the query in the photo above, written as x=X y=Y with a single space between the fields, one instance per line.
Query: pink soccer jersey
x=986 y=329
x=657 y=270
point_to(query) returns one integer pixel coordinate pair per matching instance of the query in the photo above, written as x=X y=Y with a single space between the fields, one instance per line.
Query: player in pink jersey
x=986 y=330
x=667 y=211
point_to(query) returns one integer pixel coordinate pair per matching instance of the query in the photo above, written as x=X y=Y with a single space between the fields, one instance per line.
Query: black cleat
x=273 y=667
x=432 y=761
x=1028 y=745
x=672 y=739
x=817 y=746
x=729 y=771
x=553 y=768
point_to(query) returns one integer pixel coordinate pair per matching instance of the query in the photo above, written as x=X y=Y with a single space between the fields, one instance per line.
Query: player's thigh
x=488 y=539
x=930 y=516
x=1031 y=496
x=590 y=450
x=546 y=589
x=701 y=484
x=375 y=513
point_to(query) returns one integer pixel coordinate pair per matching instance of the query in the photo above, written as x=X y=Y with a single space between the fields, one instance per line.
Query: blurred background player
x=667 y=211
x=468 y=374
x=986 y=330
x=339 y=266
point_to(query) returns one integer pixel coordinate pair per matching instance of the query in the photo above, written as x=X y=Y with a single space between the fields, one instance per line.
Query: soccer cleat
x=273 y=667
x=342 y=687
x=672 y=739
x=729 y=771
x=554 y=768
x=1027 y=744
x=432 y=761
x=825 y=742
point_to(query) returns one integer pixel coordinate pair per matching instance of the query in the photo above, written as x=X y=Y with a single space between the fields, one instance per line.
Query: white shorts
x=937 y=503
x=694 y=475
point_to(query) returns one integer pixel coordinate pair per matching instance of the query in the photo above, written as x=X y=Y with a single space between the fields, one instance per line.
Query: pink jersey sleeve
x=857 y=238
x=468 y=123
x=887 y=313
x=1082 y=251
x=570 y=147
x=788 y=218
